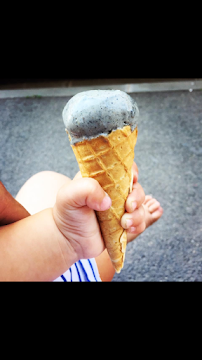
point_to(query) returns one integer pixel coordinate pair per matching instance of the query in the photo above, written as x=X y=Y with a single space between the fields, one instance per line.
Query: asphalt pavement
x=169 y=157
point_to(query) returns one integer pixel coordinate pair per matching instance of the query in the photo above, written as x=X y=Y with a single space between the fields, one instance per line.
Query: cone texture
x=109 y=160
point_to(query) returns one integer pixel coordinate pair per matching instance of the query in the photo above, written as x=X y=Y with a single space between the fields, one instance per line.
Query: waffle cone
x=109 y=160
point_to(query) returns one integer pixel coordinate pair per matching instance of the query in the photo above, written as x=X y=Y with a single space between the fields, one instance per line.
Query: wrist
x=68 y=252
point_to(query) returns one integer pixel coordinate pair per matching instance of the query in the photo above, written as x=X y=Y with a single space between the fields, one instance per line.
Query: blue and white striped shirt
x=82 y=270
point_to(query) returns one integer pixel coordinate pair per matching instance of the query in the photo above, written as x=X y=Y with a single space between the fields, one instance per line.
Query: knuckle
x=138 y=192
x=92 y=184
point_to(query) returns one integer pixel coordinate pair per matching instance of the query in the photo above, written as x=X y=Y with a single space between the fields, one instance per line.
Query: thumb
x=83 y=192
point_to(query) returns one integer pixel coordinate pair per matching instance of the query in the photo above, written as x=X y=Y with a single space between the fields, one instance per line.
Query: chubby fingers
x=98 y=199
x=135 y=198
x=83 y=192
x=134 y=218
x=135 y=221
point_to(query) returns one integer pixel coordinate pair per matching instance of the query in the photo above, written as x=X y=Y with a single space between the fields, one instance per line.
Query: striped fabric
x=82 y=270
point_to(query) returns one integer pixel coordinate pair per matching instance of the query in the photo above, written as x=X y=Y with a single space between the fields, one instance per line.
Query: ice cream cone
x=109 y=159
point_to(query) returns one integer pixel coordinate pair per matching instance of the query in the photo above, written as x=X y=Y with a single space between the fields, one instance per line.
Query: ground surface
x=168 y=154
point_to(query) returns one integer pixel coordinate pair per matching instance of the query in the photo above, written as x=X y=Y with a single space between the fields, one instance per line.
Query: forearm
x=32 y=251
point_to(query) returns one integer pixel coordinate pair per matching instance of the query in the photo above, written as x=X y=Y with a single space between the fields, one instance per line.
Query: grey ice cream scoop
x=98 y=112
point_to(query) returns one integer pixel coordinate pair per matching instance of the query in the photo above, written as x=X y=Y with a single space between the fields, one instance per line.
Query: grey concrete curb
x=128 y=88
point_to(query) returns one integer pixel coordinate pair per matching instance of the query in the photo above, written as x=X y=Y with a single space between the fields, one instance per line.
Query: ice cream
x=91 y=113
x=102 y=129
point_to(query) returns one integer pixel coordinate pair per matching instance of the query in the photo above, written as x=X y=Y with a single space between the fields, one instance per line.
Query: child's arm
x=34 y=249
x=45 y=245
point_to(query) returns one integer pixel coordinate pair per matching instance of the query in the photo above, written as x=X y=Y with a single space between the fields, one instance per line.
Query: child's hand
x=134 y=218
x=75 y=217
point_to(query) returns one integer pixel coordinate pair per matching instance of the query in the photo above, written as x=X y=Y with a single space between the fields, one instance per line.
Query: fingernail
x=133 y=205
x=132 y=229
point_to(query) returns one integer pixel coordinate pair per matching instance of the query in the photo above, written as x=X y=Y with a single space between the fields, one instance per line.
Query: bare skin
x=40 y=193
x=152 y=212
x=10 y=209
